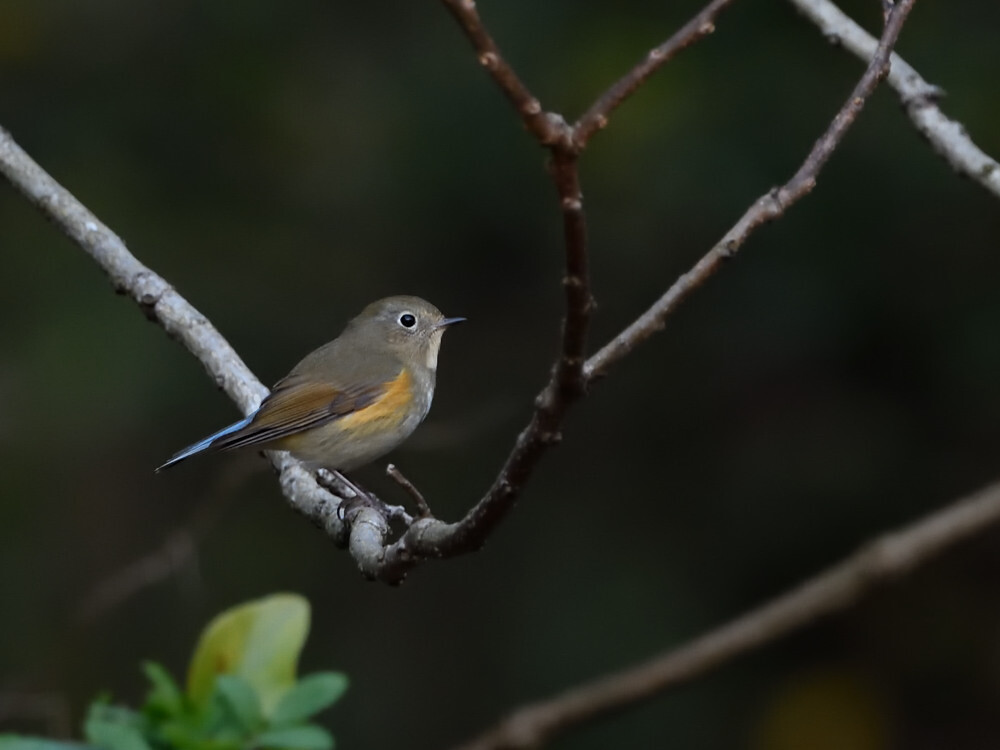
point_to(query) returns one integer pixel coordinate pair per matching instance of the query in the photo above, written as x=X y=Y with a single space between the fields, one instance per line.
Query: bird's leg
x=358 y=492
x=330 y=478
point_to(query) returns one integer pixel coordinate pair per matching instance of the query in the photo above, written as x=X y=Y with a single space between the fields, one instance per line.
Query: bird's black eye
x=407 y=320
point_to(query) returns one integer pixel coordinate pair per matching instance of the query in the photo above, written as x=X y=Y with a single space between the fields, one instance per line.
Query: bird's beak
x=448 y=322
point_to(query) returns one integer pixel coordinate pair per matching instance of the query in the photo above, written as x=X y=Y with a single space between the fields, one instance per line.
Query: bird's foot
x=359 y=498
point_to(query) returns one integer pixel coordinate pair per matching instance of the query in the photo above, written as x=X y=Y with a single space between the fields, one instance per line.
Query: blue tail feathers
x=205 y=444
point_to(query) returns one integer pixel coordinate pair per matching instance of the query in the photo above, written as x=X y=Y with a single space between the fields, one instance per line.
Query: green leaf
x=186 y=734
x=309 y=696
x=304 y=737
x=165 y=697
x=113 y=735
x=114 y=727
x=259 y=641
x=239 y=696
x=19 y=742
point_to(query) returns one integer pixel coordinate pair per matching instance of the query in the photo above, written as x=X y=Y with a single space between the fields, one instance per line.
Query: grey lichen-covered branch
x=162 y=304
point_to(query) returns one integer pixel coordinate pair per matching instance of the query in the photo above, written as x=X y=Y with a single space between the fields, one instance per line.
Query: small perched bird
x=353 y=399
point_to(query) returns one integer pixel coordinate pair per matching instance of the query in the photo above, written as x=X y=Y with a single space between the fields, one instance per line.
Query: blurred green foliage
x=285 y=164
x=242 y=692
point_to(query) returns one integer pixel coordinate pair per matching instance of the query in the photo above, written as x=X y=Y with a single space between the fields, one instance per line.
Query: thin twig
x=919 y=97
x=833 y=590
x=596 y=117
x=768 y=207
x=423 y=508
x=178 y=549
x=547 y=127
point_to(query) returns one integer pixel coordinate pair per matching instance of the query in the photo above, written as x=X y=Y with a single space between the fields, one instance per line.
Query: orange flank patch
x=391 y=407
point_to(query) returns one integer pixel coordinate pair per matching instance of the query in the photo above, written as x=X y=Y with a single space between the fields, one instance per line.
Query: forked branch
x=919 y=98
x=597 y=116
x=768 y=207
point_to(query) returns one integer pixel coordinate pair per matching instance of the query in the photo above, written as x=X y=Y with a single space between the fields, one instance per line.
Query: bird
x=352 y=400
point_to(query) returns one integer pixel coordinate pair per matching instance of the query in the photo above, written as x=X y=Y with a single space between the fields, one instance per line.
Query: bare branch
x=833 y=590
x=918 y=96
x=768 y=207
x=596 y=117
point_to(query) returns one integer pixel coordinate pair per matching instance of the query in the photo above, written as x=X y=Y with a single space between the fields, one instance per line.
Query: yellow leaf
x=260 y=641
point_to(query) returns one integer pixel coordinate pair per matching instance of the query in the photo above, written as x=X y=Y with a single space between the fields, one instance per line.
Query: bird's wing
x=294 y=406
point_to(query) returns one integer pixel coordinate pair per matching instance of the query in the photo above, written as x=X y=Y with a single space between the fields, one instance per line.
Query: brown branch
x=768 y=207
x=547 y=127
x=423 y=508
x=918 y=97
x=833 y=590
x=596 y=117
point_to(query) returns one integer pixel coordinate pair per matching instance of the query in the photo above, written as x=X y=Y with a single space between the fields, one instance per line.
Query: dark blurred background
x=283 y=164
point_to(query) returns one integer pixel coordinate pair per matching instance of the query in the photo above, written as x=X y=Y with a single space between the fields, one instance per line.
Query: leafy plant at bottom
x=242 y=692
